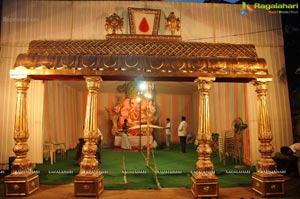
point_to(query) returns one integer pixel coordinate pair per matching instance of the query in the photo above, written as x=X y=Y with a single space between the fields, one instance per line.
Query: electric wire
x=239 y=34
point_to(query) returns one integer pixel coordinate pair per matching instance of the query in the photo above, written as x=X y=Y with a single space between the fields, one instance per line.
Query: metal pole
x=140 y=134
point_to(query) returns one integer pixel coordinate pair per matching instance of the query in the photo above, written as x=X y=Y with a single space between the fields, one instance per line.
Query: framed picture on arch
x=144 y=21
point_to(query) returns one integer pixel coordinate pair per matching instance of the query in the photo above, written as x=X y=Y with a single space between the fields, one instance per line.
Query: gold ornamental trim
x=137 y=37
x=119 y=58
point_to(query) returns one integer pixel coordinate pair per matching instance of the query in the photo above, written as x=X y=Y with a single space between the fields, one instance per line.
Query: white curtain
x=252 y=124
x=35 y=105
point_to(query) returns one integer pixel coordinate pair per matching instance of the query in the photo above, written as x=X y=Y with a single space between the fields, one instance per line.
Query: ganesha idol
x=135 y=111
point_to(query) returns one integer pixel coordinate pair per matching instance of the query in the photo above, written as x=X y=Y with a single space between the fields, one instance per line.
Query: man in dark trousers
x=182 y=132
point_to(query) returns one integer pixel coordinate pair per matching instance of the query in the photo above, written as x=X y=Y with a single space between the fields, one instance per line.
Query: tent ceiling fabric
x=126 y=59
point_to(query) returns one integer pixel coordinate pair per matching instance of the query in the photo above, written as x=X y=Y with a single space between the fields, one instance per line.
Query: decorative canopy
x=122 y=57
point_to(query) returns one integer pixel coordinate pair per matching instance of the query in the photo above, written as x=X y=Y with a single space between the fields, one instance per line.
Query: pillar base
x=268 y=185
x=89 y=185
x=205 y=187
x=21 y=185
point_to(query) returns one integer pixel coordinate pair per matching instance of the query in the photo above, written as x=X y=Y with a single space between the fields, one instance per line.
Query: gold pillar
x=204 y=182
x=89 y=181
x=22 y=181
x=267 y=180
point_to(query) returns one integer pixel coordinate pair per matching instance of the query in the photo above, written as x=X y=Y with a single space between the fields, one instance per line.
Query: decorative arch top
x=124 y=57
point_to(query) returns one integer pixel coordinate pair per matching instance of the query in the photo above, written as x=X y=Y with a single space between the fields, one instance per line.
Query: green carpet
x=174 y=170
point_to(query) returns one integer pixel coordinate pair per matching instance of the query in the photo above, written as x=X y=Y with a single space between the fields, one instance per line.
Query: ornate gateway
x=155 y=57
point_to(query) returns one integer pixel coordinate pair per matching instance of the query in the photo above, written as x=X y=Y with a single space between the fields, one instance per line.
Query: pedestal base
x=268 y=185
x=206 y=187
x=21 y=185
x=88 y=185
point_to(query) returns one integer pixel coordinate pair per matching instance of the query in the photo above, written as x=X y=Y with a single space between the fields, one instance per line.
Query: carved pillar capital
x=22 y=84
x=261 y=86
x=204 y=83
x=93 y=83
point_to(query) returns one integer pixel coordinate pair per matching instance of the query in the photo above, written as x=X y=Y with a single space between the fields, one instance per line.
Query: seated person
x=288 y=160
x=295 y=148
x=79 y=155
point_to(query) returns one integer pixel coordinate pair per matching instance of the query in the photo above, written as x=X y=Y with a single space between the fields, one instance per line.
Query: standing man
x=168 y=133
x=182 y=132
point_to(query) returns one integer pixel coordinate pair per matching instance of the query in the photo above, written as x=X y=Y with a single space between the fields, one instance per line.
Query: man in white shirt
x=182 y=132
x=168 y=133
